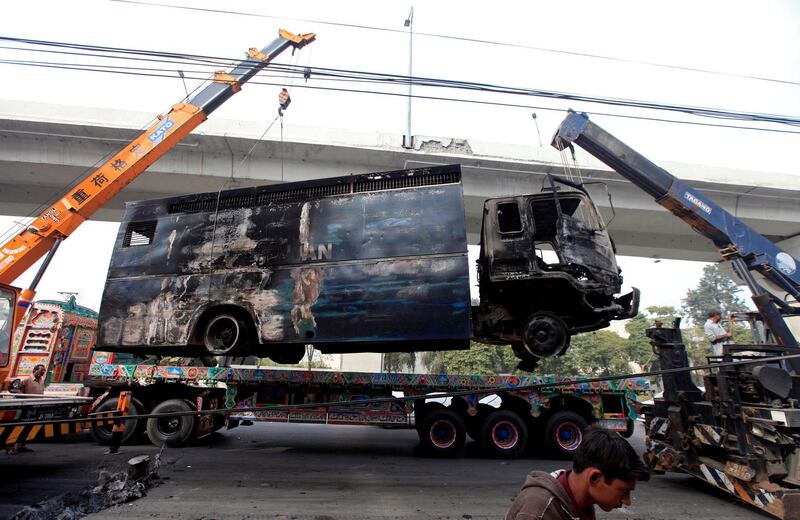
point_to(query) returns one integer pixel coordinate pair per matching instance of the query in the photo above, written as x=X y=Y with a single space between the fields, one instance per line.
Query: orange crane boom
x=58 y=221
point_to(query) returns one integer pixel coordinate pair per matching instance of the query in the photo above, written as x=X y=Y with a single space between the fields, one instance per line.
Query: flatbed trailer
x=497 y=411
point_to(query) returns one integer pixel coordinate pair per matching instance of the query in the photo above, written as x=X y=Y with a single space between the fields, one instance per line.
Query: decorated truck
x=500 y=412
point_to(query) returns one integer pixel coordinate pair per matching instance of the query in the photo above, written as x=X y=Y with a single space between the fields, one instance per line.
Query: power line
x=471 y=40
x=159 y=73
x=432 y=82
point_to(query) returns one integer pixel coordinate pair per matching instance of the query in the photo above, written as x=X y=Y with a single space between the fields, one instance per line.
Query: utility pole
x=408 y=139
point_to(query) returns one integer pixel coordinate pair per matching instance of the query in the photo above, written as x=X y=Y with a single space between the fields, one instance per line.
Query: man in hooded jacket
x=604 y=473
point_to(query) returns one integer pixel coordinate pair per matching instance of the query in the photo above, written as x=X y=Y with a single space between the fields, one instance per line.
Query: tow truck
x=742 y=433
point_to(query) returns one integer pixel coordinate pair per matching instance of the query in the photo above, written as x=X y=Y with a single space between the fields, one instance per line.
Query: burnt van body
x=363 y=263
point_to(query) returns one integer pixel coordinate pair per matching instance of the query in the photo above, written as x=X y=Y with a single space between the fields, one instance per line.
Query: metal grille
x=394 y=183
x=311 y=192
x=361 y=185
x=193 y=206
x=139 y=233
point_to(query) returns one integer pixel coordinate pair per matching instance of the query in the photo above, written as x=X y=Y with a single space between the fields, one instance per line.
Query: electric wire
x=434 y=82
x=470 y=40
x=696 y=111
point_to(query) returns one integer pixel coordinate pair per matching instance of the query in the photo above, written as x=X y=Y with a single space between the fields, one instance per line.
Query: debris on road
x=111 y=489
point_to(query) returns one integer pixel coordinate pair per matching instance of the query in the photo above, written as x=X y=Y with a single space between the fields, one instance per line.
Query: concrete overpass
x=44 y=147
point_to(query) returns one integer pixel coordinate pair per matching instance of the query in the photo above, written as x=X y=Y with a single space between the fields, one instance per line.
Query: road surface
x=326 y=472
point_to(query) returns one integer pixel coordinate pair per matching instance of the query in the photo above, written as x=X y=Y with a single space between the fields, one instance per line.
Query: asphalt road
x=326 y=472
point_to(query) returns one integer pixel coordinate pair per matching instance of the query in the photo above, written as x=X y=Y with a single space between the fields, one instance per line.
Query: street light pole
x=408 y=140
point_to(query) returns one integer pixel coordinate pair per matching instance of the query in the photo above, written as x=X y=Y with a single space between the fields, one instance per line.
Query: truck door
x=506 y=239
x=8 y=305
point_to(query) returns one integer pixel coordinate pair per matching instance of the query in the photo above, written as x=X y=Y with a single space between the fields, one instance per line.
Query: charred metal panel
x=350 y=260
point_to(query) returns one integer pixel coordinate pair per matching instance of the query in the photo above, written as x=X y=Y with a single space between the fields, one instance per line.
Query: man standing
x=604 y=472
x=32 y=385
x=714 y=331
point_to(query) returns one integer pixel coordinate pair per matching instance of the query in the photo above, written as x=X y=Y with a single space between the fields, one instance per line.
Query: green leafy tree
x=601 y=353
x=598 y=353
x=638 y=345
x=715 y=289
x=479 y=359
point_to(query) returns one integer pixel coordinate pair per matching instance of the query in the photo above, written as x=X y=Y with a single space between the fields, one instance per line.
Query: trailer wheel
x=102 y=433
x=173 y=431
x=224 y=334
x=442 y=433
x=504 y=435
x=564 y=433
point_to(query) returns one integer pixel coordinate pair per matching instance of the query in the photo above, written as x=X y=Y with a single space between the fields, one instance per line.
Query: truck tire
x=442 y=433
x=545 y=335
x=173 y=431
x=564 y=433
x=504 y=435
x=102 y=433
x=224 y=334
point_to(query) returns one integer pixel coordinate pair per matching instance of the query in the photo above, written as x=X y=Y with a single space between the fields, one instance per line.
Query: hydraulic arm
x=58 y=221
x=737 y=242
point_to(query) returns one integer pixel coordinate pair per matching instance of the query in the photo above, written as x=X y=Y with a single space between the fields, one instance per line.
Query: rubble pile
x=111 y=489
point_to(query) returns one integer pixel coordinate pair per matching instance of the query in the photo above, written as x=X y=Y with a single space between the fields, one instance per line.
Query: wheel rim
x=545 y=336
x=222 y=333
x=569 y=436
x=443 y=434
x=505 y=435
x=169 y=425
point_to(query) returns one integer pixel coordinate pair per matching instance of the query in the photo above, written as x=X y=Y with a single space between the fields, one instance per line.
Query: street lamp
x=408 y=140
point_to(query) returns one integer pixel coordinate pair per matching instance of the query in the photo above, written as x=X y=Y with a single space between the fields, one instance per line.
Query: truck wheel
x=173 y=431
x=564 y=433
x=224 y=334
x=504 y=435
x=102 y=433
x=442 y=433
x=545 y=335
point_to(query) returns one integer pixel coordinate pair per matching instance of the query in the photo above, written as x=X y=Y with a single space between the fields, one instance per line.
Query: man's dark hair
x=714 y=312
x=611 y=454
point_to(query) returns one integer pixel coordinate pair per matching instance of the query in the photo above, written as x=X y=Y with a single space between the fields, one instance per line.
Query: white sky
x=739 y=38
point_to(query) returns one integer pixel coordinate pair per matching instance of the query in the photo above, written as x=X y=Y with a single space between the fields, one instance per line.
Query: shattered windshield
x=579 y=238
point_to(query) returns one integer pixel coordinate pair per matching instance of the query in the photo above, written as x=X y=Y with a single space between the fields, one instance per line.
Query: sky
x=602 y=49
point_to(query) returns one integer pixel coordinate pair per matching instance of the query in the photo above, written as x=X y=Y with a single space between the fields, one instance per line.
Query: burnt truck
x=361 y=263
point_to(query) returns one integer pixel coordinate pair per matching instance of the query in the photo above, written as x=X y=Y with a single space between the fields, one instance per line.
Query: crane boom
x=746 y=248
x=732 y=236
x=62 y=218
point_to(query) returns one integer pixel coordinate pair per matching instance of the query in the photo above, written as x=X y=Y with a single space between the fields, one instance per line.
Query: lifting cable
x=436 y=395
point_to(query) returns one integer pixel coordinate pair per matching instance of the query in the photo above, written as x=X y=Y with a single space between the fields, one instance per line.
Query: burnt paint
x=338 y=272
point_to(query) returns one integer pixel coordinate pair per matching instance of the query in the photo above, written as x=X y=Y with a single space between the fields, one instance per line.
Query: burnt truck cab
x=547 y=270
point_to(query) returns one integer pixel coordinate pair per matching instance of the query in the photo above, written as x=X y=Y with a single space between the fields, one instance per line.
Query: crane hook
x=283 y=101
